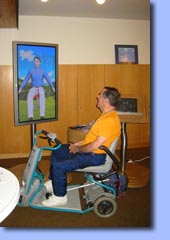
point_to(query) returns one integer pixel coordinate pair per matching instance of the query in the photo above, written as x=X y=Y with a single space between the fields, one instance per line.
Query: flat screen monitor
x=127 y=105
x=35 y=69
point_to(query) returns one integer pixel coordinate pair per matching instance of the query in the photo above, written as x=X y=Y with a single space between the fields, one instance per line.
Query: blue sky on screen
x=26 y=54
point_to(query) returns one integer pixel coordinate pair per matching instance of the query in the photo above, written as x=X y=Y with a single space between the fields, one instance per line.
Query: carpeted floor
x=134 y=209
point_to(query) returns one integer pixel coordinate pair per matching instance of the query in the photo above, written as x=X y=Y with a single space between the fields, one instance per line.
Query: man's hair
x=36 y=57
x=112 y=94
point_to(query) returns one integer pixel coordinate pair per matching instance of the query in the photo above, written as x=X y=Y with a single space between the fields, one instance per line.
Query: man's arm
x=74 y=148
x=25 y=81
x=49 y=80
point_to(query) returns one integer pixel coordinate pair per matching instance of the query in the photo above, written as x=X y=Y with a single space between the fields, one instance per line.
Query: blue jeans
x=62 y=162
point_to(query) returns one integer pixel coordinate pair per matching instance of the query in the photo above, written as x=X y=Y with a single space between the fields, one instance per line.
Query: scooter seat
x=104 y=168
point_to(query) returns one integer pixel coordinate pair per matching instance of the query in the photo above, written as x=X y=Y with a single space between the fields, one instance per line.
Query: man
x=84 y=153
x=37 y=75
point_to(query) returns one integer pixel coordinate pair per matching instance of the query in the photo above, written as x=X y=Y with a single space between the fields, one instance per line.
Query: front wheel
x=105 y=207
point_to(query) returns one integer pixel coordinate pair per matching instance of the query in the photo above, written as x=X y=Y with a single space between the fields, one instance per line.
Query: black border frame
x=117 y=55
x=16 y=84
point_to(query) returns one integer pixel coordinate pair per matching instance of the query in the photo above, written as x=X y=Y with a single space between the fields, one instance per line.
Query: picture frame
x=126 y=54
x=35 y=71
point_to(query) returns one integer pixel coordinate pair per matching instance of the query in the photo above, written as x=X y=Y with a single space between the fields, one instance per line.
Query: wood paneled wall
x=77 y=90
x=133 y=80
x=8 y=13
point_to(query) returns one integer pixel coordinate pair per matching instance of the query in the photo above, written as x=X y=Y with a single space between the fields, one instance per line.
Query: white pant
x=31 y=94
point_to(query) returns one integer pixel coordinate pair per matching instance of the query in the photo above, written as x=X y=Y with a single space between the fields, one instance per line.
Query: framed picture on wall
x=35 y=67
x=126 y=54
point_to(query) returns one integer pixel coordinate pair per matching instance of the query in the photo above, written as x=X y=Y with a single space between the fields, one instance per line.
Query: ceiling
x=115 y=9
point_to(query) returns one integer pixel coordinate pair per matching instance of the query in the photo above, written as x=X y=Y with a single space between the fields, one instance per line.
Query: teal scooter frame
x=96 y=193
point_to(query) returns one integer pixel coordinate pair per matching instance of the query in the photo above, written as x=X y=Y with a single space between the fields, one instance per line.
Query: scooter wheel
x=105 y=207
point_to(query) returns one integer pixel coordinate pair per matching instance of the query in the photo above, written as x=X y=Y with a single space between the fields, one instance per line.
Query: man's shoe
x=54 y=201
x=49 y=186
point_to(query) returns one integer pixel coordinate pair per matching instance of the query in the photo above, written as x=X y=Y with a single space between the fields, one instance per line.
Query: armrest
x=111 y=155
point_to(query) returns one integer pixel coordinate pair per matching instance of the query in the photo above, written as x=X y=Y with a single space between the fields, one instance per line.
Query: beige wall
x=81 y=40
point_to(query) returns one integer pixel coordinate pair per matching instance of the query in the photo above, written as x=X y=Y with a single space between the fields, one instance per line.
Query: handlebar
x=51 y=137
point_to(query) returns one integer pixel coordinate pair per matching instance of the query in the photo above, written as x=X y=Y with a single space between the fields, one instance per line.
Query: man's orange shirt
x=107 y=125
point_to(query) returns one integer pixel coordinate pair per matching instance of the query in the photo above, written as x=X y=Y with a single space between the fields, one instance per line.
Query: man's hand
x=74 y=148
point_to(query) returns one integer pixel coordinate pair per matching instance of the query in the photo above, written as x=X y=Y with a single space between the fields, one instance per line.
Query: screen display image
x=127 y=105
x=35 y=82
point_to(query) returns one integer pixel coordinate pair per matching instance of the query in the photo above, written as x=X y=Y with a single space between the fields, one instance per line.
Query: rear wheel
x=105 y=206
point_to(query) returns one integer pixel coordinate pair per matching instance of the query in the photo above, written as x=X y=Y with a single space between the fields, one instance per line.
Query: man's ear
x=106 y=100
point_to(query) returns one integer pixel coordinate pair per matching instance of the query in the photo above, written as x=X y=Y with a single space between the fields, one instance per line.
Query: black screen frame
x=51 y=111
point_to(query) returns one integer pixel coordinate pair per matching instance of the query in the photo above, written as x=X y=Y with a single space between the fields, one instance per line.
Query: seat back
x=104 y=168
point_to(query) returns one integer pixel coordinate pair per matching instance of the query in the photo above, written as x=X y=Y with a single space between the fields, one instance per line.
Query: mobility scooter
x=99 y=192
